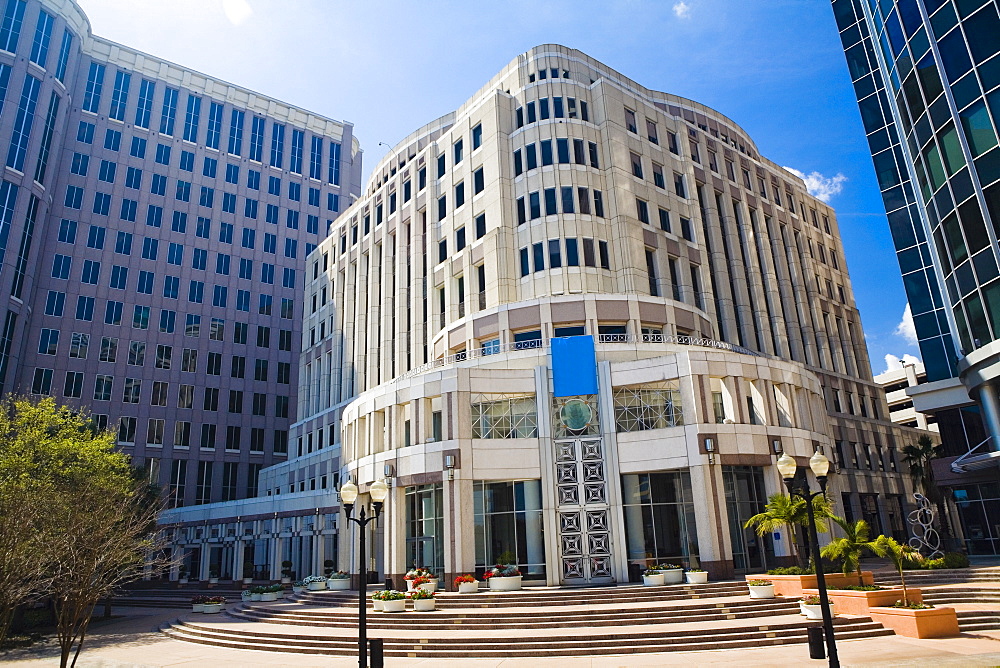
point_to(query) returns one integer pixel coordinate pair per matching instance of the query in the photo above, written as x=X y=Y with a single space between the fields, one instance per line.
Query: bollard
x=389 y=583
x=816 y=649
x=376 y=660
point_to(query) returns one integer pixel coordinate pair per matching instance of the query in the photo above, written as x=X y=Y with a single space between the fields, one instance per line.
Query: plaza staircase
x=536 y=622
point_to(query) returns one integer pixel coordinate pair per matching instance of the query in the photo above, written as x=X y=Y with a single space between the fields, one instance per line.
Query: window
x=630 y=122
x=119 y=96
x=679 y=186
x=23 y=123
x=236 y=132
x=113 y=313
x=95 y=76
x=164 y=354
x=54 y=303
x=636 y=162
x=48 y=343
x=651 y=406
x=499 y=416
x=109 y=349
x=642 y=210
x=102 y=387
x=146 y=90
x=73 y=386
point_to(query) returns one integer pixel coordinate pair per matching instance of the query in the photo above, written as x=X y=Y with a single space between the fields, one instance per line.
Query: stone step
x=492 y=647
x=978 y=620
x=556 y=596
x=595 y=618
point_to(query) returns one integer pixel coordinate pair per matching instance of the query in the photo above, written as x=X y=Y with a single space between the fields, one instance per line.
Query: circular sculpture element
x=925 y=537
x=576 y=414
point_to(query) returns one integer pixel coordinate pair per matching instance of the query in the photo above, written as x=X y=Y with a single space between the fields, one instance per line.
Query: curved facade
x=565 y=201
x=154 y=223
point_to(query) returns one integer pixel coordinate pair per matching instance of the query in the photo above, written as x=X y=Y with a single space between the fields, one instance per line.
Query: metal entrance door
x=582 y=493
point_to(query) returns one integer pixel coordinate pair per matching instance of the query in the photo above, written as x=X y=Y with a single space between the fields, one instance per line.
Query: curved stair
x=546 y=622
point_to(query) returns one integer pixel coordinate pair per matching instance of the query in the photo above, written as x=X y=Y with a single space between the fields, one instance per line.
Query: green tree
x=80 y=523
x=918 y=458
x=849 y=549
x=789 y=513
x=900 y=556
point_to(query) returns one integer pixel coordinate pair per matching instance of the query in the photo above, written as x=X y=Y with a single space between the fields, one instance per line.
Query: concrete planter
x=792 y=586
x=673 y=576
x=377 y=604
x=394 y=606
x=317 y=586
x=269 y=596
x=697 y=577
x=197 y=607
x=468 y=587
x=212 y=608
x=255 y=597
x=247 y=581
x=815 y=611
x=850 y=602
x=929 y=623
x=338 y=584
x=423 y=605
x=505 y=584
x=761 y=591
x=655 y=580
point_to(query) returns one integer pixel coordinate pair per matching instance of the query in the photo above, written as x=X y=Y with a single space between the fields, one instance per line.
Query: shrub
x=393 y=595
x=420 y=594
x=912 y=606
x=858 y=588
x=463 y=578
x=759 y=583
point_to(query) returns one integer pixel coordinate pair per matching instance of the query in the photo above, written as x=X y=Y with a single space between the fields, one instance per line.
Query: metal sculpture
x=925 y=537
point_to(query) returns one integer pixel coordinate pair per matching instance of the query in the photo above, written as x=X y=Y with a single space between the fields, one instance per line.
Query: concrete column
x=543 y=403
x=238 y=547
x=989 y=402
x=206 y=551
x=616 y=518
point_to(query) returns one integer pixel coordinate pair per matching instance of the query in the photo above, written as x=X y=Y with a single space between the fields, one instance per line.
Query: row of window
x=479 y=227
x=565 y=199
x=108 y=172
x=56 y=301
x=478 y=185
x=562 y=252
x=319 y=154
x=534 y=155
x=205 y=482
x=680 y=188
x=539 y=110
x=41 y=384
x=663 y=218
x=10 y=34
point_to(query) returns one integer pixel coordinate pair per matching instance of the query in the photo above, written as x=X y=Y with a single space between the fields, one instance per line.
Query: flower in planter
x=338 y=575
x=502 y=571
x=696 y=570
x=463 y=578
x=313 y=578
x=651 y=571
x=198 y=600
x=421 y=594
x=215 y=600
x=378 y=595
x=393 y=595
x=245 y=594
x=420 y=581
x=811 y=600
x=415 y=573
x=759 y=583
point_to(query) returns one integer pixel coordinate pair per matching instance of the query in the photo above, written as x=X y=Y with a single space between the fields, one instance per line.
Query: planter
x=929 y=623
x=297 y=590
x=673 y=576
x=791 y=586
x=247 y=581
x=394 y=606
x=434 y=583
x=815 y=611
x=255 y=597
x=197 y=607
x=211 y=608
x=213 y=581
x=377 y=604
x=506 y=584
x=285 y=581
x=423 y=605
x=851 y=602
x=409 y=585
x=652 y=580
x=697 y=577
x=762 y=591
x=317 y=586
x=468 y=587
x=338 y=584
x=429 y=587
x=269 y=596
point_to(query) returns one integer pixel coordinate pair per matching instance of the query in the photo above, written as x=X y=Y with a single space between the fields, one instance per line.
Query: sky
x=775 y=67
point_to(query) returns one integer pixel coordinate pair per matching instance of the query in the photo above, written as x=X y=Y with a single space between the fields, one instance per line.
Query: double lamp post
x=348 y=496
x=820 y=466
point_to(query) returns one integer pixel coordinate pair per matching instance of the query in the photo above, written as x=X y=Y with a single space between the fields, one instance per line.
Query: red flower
x=487 y=575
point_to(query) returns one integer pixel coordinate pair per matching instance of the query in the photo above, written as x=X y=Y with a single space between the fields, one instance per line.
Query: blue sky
x=773 y=66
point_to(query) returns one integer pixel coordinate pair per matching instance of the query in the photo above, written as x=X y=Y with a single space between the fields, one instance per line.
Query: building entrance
x=584 y=524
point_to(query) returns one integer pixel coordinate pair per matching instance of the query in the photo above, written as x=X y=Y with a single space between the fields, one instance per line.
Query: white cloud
x=819 y=186
x=682 y=10
x=905 y=327
x=237 y=11
x=893 y=363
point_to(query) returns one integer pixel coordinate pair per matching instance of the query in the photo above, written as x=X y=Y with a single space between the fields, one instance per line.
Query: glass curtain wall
x=745 y=497
x=425 y=528
x=659 y=518
x=979 y=511
x=508 y=526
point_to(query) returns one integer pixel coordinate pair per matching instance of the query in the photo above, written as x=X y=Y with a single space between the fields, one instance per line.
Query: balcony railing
x=534 y=344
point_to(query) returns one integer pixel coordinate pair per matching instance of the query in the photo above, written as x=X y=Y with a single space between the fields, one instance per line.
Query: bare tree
x=23 y=576
x=107 y=541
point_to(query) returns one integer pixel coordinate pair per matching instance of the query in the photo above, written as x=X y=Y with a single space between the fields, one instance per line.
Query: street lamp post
x=348 y=495
x=820 y=466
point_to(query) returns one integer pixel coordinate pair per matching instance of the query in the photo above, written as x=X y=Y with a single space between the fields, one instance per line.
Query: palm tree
x=783 y=511
x=918 y=457
x=899 y=555
x=848 y=550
